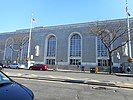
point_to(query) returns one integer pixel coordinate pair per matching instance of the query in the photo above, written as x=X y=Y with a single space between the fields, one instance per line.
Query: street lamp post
x=129 y=35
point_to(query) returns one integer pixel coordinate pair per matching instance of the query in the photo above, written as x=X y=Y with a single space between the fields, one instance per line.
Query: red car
x=39 y=67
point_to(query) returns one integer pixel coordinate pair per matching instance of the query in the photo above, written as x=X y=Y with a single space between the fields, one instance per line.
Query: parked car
x=16 y=65
x=39 y=67
x=116 y=69
x=11 y=90
x=127 y=67
x=1 y=66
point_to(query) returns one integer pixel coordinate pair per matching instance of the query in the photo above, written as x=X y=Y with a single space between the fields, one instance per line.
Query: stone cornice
x=77 y=25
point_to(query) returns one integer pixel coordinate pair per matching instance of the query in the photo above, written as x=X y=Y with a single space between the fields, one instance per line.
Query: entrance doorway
x=103 y=64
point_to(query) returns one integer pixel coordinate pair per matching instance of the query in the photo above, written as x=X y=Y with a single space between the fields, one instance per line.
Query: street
x=71 y=75
x=56 y=90
x=46 y=90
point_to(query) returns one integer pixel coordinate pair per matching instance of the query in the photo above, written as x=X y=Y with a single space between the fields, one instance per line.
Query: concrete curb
x=124 y=75
x=74 y=71
x=87 y=72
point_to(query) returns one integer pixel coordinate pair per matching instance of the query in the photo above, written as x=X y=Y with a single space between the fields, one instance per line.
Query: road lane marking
x=34 y=75
x=19 y=74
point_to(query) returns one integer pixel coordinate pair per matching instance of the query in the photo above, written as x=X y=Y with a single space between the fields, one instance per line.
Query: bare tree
x=1 y=51
x=111 y=34
x=19 y=41
x=1 y=47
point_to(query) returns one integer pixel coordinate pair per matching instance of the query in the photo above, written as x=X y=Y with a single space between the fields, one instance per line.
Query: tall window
x=8 y=51
x=75 y=46
x=24 y=53
x=101 y=49
x=24 y=50
x=51 y=46
x=75 y=50
x=51 y=50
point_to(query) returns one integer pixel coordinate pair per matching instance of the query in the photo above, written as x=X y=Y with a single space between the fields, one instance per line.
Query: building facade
x=64 y=45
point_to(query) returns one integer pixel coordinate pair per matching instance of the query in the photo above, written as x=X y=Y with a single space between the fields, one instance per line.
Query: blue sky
x=16 y=14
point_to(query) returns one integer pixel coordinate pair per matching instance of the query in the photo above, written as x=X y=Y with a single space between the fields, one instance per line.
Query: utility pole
x=29 y=45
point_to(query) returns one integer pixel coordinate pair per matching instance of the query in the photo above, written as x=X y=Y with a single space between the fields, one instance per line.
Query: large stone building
x=63 y=45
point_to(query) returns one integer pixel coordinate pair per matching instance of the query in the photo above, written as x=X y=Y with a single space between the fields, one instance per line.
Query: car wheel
x=40 y=68
x=30 y=68
x=0 y=68
x=17 y=67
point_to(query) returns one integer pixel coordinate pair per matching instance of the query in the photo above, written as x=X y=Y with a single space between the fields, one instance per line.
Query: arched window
x=51 y=50
x=51 y=46
x=102 y=54
x=8 y=51
x=75 y=49
x=24 y=51
x=75 y=46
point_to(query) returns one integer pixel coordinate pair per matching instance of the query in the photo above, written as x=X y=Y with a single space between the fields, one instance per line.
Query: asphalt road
x=54 y=90
x=71 y=75
x=49 y=90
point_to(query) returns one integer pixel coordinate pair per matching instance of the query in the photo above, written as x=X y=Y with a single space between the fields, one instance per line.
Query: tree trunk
x=18 y=57
x=110 y=63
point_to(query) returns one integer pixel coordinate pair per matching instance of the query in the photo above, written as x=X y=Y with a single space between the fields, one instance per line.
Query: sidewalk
x=88 y=72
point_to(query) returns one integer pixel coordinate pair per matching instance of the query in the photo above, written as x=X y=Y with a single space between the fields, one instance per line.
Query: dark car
x=39 y=67
x=11 y=90
x=1 y=66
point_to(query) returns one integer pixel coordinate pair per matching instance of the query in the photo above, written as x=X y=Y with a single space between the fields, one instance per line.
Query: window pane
x=101 y=49
x=51 y=50
x=50 y=61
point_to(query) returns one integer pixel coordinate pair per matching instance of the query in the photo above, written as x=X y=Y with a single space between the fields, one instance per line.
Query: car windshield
x=37 y=64
x=4 y=79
